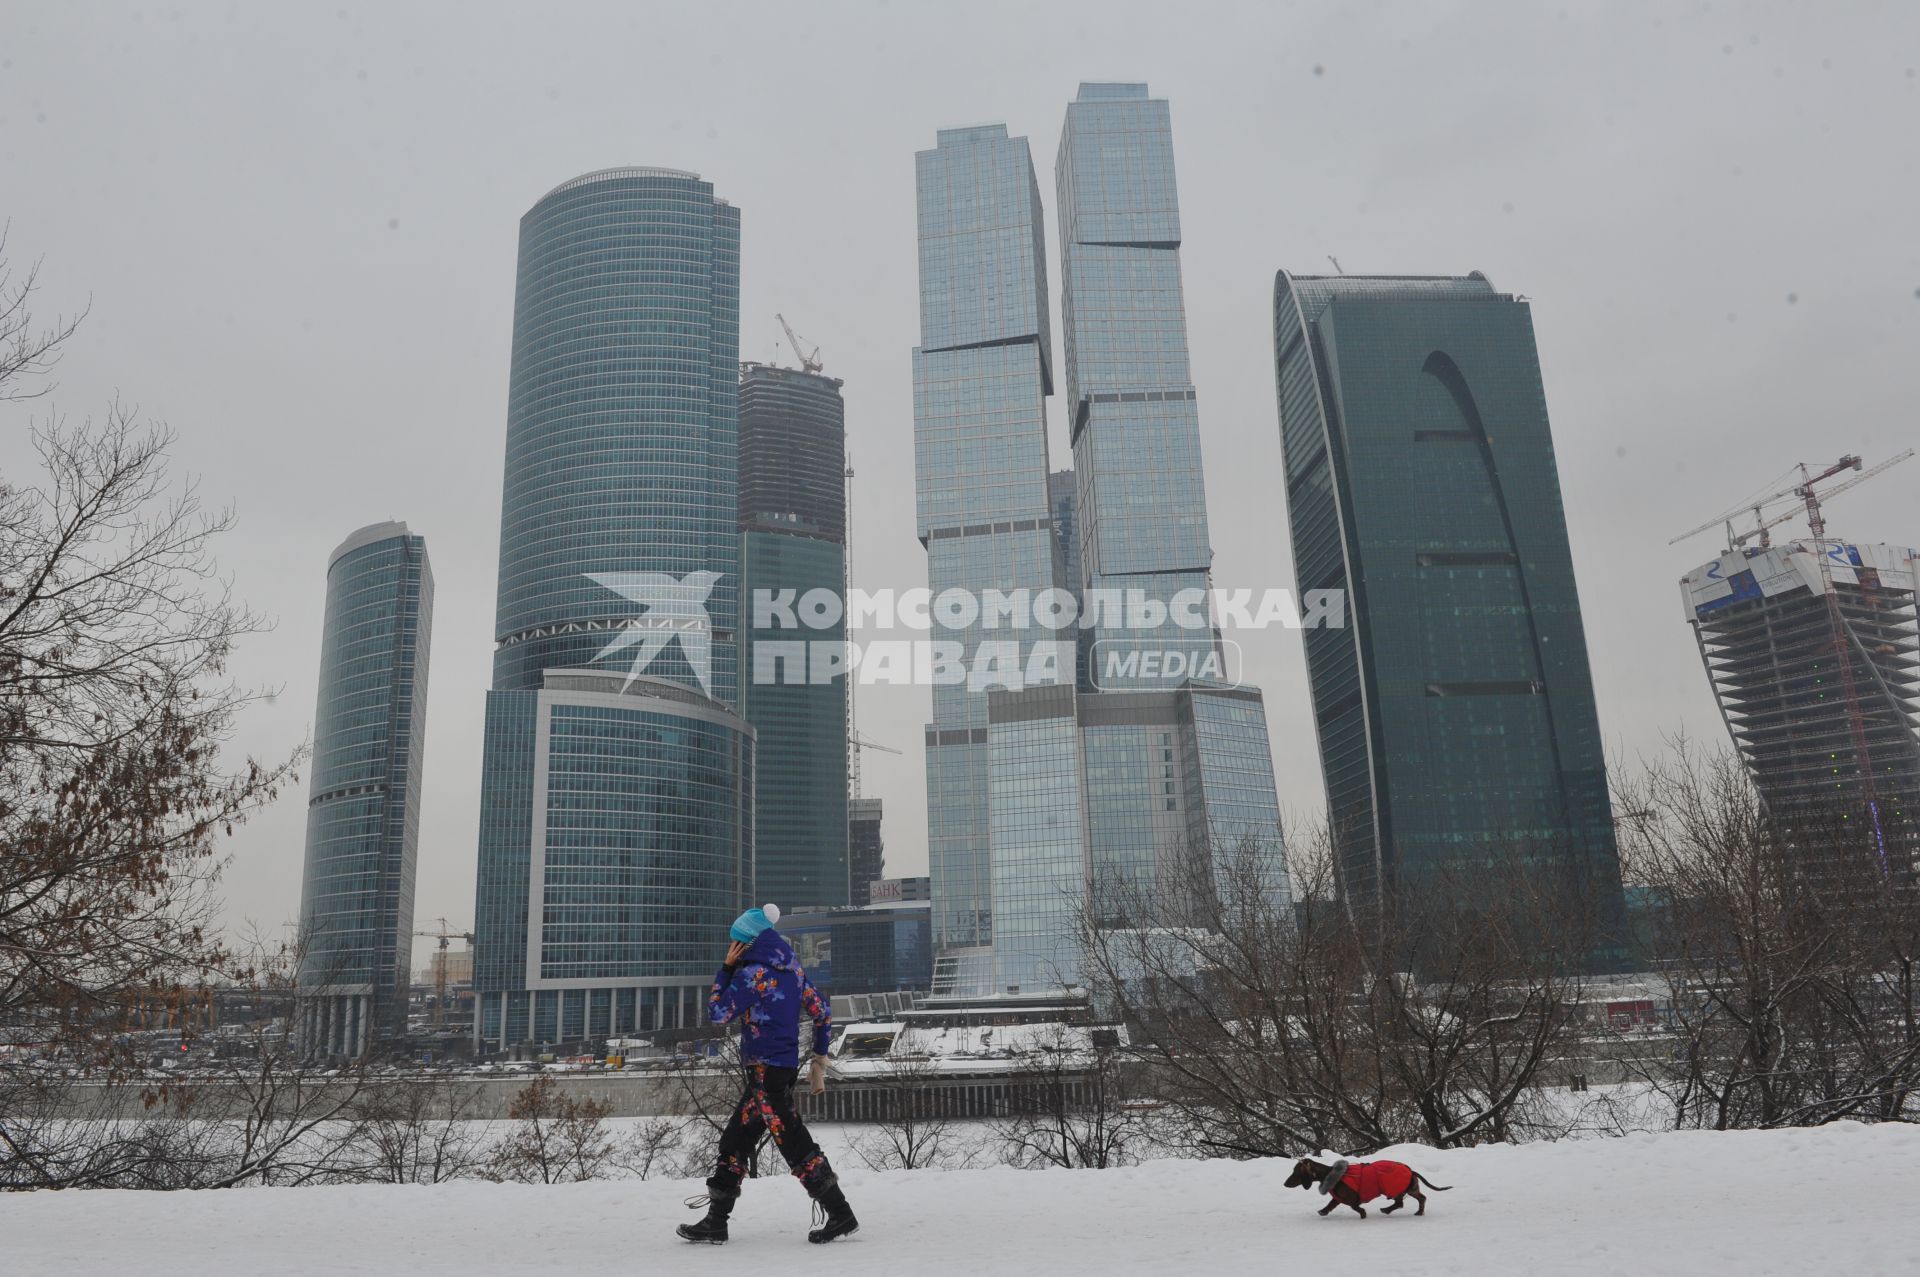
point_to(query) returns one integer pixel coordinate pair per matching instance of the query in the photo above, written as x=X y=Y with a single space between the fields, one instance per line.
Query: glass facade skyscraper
x=981 y=375
x=616 y=845
x=616 y=798
x=1039 y=795
x=363 y=808
x=793 y=531
x=622 y=422
x=1455 y=710
x=1133 y=417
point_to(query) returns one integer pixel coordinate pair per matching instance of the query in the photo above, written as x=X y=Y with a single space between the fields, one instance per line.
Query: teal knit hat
x=748 y=926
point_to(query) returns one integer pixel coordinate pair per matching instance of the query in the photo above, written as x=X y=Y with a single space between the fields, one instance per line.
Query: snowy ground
x=1834 y=1199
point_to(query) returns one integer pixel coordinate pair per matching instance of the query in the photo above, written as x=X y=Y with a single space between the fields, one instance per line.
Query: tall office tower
x=866 y=848
x=1455 y=709
x=1095 y=796
x=793 y=528
x=616 y=823
x=981 y=375
x=1133 y=419
x=363 y=812
x=1812 y=723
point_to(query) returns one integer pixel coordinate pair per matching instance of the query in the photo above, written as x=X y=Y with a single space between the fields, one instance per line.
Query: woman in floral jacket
x=763 y=987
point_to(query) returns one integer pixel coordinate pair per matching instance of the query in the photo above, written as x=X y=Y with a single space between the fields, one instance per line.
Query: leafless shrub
x=553 y=1137
x=662 y=1146
x=1068 y=1106
x=1268 y=1030
x=423 y=1130
x=915 y=1129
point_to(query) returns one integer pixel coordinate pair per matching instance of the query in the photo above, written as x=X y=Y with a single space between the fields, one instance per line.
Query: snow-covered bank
x=1829 y=1199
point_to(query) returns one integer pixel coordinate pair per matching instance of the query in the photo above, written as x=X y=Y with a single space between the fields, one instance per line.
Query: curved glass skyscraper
x=1455 y=710
x=616 y=835
x=363 y=805
x=622 y=425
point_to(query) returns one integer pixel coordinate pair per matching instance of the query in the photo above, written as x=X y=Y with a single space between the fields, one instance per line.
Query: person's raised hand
x=735 y=952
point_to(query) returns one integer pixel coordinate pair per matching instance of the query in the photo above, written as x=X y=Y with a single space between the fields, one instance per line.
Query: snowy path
x=1837 y=1199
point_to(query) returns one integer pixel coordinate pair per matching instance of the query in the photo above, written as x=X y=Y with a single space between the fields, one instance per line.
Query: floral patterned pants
x=766 y=1105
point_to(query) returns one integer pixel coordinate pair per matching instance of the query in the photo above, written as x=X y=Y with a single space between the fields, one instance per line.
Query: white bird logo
x=675 y=608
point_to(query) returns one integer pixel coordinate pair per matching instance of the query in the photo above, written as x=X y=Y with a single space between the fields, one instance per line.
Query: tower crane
x=1806 y=501
x=443 y=934
x=808 y=363
x=858 y=743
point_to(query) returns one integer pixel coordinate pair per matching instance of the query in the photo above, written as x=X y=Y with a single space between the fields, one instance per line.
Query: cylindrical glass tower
x=622 y=426
x=616 y=820
x=363 y=805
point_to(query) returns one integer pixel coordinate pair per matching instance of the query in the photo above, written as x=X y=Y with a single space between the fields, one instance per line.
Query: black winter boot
x=722 y=1193
x=840 y=1220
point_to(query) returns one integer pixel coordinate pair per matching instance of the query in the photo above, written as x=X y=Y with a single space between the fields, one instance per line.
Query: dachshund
x=1349 y=1184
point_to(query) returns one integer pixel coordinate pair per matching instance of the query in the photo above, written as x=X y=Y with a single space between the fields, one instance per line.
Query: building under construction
x=793 y=531
x=1812 y=652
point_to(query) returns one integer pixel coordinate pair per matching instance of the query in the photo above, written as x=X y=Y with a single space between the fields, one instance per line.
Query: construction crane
x=808 y=363
x=1805 y=501
x=443 y=934
x=858 y=743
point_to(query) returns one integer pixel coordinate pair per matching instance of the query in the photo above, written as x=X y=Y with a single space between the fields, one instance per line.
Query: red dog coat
x=1378 y=1179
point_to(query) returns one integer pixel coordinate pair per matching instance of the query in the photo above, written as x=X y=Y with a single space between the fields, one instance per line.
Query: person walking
x=763 y=987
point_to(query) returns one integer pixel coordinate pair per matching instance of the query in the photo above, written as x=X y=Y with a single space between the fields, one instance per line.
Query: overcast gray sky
x=296 y=225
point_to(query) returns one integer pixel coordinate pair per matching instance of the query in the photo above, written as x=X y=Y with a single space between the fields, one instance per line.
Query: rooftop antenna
x=1336 y=263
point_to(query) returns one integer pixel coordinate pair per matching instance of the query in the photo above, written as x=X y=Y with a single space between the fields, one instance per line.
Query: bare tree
x=28 y=349
x=420 y=1130
x=1790 y=959
x=115 y=630
x=1274 y=1028
x=554 y=1138
x=915 y=1128
x=661 y=1146
x=114 y=635
x=1068 y=1104
x=256 y=1112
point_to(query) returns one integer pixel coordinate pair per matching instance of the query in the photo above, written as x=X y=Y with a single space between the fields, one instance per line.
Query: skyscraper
x=793 y=529
x=981 y=375
x=1132 y=413
x=616 y=831
x=1810 y=729
x=363 y=805
x=1040 y=794
x=1455 y=709
x=1096 y=793
x=622 y=423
